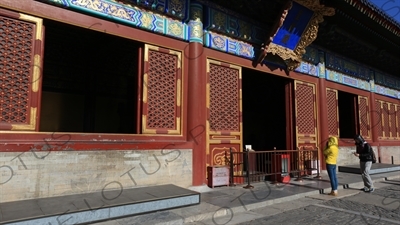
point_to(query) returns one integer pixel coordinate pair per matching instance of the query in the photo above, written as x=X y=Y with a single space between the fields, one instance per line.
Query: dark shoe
x=371 y=190
x=364 y=189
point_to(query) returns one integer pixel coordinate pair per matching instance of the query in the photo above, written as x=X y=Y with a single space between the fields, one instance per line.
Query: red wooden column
x=374 y=123
x=196 y=117
x=323 y=119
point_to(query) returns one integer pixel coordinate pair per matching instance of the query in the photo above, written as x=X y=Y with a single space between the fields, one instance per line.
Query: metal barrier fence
x=274 y=165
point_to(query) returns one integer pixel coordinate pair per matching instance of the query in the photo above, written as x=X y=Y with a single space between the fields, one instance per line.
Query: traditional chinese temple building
x=137 y=93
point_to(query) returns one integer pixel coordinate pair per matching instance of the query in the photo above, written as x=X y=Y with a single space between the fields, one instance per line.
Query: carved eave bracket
x=292 y=57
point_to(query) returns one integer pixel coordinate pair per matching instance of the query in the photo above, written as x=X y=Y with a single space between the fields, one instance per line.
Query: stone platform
x=236 y=205
x=375 y=168
x=88 y=208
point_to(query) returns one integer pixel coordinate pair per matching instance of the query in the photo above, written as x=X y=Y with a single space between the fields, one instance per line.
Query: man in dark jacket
x=364 y=153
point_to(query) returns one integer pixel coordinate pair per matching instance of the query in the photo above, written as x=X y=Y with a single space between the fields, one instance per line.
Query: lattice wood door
x=305 y=121
x=224 y=111
x=162 y=80
x=378 y=118
x=364 y=117
x=396 y=121
x=333 y=112
x=392 y=120
x=388 y=118
x=305 y=115
x=21 y=52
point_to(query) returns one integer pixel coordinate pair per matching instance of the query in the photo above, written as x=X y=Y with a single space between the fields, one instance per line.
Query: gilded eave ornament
x=293 y=58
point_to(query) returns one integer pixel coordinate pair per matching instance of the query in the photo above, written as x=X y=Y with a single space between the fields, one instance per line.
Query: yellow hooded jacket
x=331 y=151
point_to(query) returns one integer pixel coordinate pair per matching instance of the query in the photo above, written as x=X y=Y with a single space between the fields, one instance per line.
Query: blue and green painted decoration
x=134 y=16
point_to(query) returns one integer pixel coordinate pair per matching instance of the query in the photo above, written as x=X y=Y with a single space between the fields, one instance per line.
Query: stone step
x=99 y=206
x=375 y=168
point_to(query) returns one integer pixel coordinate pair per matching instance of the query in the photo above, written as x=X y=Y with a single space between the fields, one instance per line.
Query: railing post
x=318 y=175
x=299 y=179
x=248 y=186
x=231 y=182
x=275 y=169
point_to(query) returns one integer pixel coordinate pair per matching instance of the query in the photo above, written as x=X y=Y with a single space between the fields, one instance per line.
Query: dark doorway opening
x=264 y=110
x=348 y=116
x=89 y=81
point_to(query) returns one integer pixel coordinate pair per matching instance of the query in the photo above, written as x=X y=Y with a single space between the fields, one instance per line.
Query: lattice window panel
x=161 y=91
x=385 y=120
x=378 y=118
x=333 y=117
x=224 y=98
x=364 y=116
x=305 y=116
x=20 y=70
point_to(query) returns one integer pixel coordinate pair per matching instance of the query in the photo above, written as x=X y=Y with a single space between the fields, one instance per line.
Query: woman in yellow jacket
x=331 y=153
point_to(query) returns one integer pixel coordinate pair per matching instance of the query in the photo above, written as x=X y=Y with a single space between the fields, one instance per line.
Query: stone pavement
x=235 y=205
x=351 y=207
